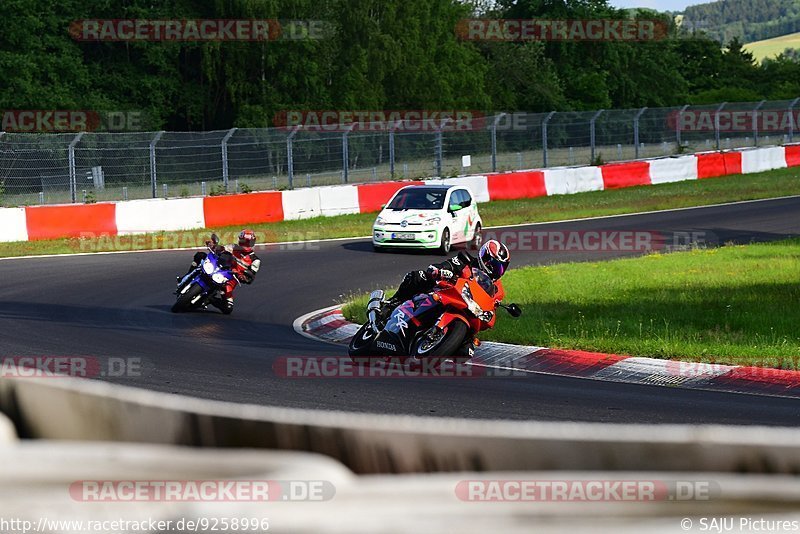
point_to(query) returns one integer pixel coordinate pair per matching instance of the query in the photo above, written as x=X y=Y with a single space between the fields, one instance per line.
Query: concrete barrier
x=8 y=433
x=675 y=169
x=76 y=409
x=143 y=216
x=570 y=180
x=45 y=484
x=763 y=159
x=14 y=224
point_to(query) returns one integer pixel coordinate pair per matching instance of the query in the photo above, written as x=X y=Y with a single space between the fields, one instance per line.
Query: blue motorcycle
x=206 y=284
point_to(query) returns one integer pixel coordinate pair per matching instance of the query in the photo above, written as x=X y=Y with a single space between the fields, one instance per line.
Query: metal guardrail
x=67 y=167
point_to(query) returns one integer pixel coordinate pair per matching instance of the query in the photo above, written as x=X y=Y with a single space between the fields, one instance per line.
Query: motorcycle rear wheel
x=185 y=300
x=360 y=347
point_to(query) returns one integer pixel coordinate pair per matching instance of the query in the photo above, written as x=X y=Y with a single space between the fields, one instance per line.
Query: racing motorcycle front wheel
x=438 y=343
x=188 y=298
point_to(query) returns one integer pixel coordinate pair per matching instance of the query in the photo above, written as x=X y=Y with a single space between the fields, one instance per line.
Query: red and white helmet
x=494 y=258
x=247 y=239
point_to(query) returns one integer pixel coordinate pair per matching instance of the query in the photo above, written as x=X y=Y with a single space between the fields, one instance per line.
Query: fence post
x=290 y=156
x=225 y=157
x=636 y=131
x=792 y=124
x=153 y=177
x=755 y=122
x=592 y=133
x=494 y=141
x=716 y=124
x=73 y=179
x=346 y=153
x=678 y=125
x=544 y=137
x=391 y=151
x=440 y=146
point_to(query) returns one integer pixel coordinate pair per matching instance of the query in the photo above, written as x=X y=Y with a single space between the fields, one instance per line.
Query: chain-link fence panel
x=85 y=167
x=110 y=166
x=415 y=154
x=35 y=168
x=258 y=159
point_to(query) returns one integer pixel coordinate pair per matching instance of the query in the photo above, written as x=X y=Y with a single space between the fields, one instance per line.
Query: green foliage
x=245 y=188
x=747 y=20
x=381 y=54
x=217 y=190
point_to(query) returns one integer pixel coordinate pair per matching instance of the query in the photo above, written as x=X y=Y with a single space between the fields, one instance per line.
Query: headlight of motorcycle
x=219 y=278
x=473 y=306
x=208 y=267
x=432 y=221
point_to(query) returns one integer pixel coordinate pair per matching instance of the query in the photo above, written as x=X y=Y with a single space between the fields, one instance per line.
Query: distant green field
x=773 y=47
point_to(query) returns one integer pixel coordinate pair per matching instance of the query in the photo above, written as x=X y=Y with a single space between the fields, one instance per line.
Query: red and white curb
x=330 y=326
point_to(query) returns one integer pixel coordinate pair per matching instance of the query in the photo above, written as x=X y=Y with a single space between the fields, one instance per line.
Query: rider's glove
x=447 y=275
x=432 y=272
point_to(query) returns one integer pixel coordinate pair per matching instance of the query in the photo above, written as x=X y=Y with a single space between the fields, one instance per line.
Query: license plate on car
x=404 y=237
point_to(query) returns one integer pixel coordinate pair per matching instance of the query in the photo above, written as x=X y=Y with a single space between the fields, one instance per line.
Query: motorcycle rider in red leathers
x=245 y=264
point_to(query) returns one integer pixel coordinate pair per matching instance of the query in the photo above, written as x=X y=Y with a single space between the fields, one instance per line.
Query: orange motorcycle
x=442 y=324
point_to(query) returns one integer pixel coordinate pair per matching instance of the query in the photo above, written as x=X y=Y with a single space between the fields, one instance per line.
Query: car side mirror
x=514 y=310
x=466 y=204
x=215 y=239
x=455 y=207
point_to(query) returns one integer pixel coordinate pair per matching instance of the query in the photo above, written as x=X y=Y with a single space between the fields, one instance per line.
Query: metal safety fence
x=43 y=168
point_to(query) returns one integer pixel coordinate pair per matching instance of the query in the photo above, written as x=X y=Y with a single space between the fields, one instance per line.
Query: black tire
x=447 y=345
x=445 y=245
x=184 y=301
x=477 y=239
x=360 y=347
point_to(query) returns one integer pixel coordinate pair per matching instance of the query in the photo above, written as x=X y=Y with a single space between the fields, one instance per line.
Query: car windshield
x=418 y=198
x=485 y=281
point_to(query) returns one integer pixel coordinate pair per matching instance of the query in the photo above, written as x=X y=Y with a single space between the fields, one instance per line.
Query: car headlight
x=380 y=220
x=432 y=221
x=219 y=278
x=208 y=267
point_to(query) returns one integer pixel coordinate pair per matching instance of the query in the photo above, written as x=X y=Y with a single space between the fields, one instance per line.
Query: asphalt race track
x=117 y=306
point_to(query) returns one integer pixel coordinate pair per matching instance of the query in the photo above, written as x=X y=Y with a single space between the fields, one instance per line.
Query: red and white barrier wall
x=143 y=216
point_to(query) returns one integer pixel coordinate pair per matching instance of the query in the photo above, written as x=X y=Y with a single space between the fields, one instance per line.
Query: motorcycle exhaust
x=373 y=308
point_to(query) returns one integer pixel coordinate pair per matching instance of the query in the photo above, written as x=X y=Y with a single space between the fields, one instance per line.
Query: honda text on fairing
x=436 y=325
x=428 y=217
x=207 y=282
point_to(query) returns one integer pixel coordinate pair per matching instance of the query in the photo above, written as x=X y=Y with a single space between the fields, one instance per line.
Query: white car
x=428 y=217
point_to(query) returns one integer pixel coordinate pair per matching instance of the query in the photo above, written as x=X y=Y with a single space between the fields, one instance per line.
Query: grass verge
x=769 y=184
x=731 y=305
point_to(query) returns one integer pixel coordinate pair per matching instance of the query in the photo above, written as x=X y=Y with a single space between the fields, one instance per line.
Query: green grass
x=769 y=184
x=772 y=47
x=735 y=304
